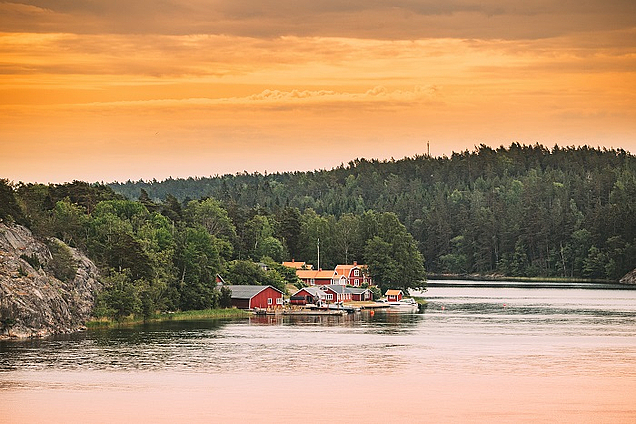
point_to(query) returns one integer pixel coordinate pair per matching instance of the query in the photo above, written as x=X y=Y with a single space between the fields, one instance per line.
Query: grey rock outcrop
x=33 y=303
x=630 y=278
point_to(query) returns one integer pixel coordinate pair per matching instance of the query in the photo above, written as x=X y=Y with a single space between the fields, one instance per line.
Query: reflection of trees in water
x=398 y=321
x=154 y=333
x=364 y=318
x=326 y=320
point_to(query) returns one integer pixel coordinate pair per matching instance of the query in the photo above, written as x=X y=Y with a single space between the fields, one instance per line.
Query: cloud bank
x=104 y=90
x=401 y=19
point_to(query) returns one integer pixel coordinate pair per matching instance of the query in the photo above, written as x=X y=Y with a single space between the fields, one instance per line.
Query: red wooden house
x=250 y=297
x=308 y=295
x=337 y=293
x=315 y=278
x=394 y=295
x=360 y=294
x=352 y=275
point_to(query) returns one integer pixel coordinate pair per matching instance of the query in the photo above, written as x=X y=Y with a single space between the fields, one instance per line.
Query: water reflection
x=474 y=354
x=529 y=331
x=366 y=318
x=258 y=343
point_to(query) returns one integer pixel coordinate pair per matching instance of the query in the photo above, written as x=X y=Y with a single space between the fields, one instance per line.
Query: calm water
x=476 y=354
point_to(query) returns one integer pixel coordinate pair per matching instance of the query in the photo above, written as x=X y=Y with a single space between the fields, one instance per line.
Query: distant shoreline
x=437 y=280
x=496 y=277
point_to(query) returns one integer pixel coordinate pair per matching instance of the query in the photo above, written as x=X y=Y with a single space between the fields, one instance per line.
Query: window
x=329 y=296
x=269 y=300
x=279 y=300
x=356 y=272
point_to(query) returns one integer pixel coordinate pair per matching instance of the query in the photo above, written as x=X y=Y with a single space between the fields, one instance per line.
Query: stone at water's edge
x=630 y=278
x=33 y=303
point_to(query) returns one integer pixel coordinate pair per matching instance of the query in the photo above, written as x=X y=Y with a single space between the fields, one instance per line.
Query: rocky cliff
x=630 y=278
x=33 y=302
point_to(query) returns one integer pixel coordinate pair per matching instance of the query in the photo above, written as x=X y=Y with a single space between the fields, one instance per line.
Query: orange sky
x=115 y=90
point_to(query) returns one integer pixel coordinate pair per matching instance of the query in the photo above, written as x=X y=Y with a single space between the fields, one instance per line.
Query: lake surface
x=476 y=354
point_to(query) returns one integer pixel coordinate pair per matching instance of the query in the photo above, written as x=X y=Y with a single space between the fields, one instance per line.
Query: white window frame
x=279 y=300
x=269 y=301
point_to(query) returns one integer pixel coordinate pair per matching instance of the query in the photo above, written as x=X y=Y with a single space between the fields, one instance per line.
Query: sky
x=112 y=90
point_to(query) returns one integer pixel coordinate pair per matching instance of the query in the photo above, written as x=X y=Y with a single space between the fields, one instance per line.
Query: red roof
x=298 y=265
x=346 y=269
x=311 y=273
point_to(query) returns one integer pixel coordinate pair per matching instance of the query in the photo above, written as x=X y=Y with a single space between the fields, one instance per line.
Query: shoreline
x=527 y=284
x=504 y=278
x=105 y=323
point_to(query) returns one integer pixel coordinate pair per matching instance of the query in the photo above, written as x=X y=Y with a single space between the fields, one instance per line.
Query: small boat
x=342 y=307
x=405 y=305
x=315 y=312
x=261 y=311
x=334 y=307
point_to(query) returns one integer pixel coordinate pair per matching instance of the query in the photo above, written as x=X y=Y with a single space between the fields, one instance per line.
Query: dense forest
x=516 y=211
x=158 y=256
x=519 y=211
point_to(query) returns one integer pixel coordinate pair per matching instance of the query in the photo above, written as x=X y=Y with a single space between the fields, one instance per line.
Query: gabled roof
x=310 y=273
x=305 y=273
x=298 y=265
x=393 y=292
x=324 y=274
x=357 y=290
x=248 y=292
x=336 y=288
x=314 y=291
x=345 y=269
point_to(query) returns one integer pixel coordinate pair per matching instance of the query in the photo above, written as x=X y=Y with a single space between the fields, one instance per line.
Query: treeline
x=516 y=211
x=166 y=255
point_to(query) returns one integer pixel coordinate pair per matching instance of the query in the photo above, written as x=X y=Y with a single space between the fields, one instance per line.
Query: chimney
x=355 y=263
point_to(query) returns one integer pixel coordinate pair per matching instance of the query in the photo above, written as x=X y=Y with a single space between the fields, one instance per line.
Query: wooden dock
x=316 y=312
x=375 y=305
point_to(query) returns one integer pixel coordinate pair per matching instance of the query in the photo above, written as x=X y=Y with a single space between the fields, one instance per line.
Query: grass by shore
x=132 y=320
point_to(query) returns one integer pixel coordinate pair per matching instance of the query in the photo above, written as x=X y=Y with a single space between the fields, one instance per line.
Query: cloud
x=377 y=95
x=400 y=19
x=332 y=73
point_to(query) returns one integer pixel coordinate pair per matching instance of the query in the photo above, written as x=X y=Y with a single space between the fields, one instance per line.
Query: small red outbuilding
x=250 y=297
x=394 y=295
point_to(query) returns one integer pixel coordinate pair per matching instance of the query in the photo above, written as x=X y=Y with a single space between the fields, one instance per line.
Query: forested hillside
x=166 y=255
x=518 y=211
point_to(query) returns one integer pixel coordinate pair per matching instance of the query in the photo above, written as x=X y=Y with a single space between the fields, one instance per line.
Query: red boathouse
x=394 y=295
x=250 y=297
